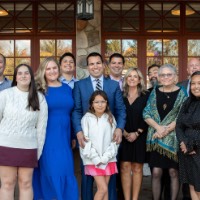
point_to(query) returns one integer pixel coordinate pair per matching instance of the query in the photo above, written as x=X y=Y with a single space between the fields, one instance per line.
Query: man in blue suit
x=83 y=89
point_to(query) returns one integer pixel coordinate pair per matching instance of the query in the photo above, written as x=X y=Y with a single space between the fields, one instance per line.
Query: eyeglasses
x=166 y=75
x=99 y=102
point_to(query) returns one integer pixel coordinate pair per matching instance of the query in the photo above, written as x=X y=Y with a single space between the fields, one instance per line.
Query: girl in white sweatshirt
x=99 y=152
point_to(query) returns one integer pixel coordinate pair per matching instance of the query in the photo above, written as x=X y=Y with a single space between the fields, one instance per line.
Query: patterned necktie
x=98 y=84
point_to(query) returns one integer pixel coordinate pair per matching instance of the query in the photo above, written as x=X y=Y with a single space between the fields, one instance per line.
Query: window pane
x=193 y=47
x=47 y=48
x=112 y=46
x=170 y=47
x=9 y=70
x=23 y=48
x=154 y=60
x=7 y=47
x=23 y=60
x=129 y=47
x=63 y=46
x=171 y=60
x=154 y=47
x=130 y=62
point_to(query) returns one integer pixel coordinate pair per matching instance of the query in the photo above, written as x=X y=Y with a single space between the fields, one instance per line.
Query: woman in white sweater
x=23 y=119
x=99 y=152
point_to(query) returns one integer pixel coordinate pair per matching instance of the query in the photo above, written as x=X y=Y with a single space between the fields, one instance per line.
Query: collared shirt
x=94 y=82
x=120 y=81
x=5 y=84
x=70 y=82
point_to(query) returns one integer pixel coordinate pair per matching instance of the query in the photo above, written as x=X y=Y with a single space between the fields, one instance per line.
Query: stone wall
x=88 y=39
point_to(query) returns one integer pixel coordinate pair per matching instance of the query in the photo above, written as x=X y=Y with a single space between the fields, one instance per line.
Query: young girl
x=99 y=153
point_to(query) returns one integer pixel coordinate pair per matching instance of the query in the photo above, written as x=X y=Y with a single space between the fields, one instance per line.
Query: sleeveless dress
x=54 y=178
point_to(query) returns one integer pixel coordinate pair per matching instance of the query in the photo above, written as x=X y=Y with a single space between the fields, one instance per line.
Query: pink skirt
x=110 y=169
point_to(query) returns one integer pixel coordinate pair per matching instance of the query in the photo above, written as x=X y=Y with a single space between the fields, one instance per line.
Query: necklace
x=168 y=97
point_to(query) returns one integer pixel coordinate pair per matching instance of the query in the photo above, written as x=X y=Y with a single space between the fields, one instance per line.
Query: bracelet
x=136 y=133
x=140 y=131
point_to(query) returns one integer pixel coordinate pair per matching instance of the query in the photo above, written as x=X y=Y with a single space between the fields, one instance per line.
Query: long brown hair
x=107 y=110
x=33 y=101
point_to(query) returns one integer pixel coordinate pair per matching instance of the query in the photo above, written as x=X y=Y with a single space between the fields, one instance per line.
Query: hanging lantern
x=85 y=9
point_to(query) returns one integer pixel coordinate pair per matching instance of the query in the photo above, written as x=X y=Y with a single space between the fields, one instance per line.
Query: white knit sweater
x=99 y=148
x=19 y=126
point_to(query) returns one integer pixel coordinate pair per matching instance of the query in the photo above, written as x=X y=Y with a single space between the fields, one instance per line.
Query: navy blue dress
x=54 y=178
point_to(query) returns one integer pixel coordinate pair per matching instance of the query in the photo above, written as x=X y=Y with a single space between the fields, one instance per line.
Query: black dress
x=188 y=131
x=135 y=151
x=165 y=103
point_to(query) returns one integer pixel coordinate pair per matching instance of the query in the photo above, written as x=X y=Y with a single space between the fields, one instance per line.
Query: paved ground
x=145 y=193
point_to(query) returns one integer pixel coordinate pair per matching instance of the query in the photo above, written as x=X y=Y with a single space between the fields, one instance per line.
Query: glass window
x=17 y=18
x=54 y=48
x=160 y=17
x=16 y=52
x=162 y=51
x=126 y=47
x=120 y=16
x=193 y=48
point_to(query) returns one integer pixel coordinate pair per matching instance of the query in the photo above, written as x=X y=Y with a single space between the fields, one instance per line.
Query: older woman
x=55 y=179
x=23 y=119
x=133 y=147
x=188 y=134
x=160 y=114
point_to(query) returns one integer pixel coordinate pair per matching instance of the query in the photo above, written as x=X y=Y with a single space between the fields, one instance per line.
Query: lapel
x=88 y=86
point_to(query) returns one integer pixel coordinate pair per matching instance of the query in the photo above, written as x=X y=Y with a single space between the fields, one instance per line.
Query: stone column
x=88 y=39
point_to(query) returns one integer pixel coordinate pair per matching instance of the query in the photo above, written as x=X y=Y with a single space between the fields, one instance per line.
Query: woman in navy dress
x=54 y=178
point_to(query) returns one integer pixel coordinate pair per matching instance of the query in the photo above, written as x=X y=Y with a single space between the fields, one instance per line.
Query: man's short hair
x=94 y=54
x=116 y=55
x=153 y=65
x=67 y=54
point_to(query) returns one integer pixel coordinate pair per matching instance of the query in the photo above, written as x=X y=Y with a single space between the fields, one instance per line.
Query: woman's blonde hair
x=40 y=79
x=141 y=86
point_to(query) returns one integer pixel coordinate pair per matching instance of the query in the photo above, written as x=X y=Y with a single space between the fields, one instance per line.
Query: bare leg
x=25 y=183
x=102 y=188
x=174 y=183
x=194 y=195
x=137 y=169
x=107 y=181
x=8 y=176
x=156 y=182
x=125 y=169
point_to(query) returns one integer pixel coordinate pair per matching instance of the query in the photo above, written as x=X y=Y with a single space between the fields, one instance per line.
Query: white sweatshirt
x=99 y=148
x=19 y=126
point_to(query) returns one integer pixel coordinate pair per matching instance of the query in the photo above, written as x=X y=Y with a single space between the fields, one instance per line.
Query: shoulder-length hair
x=40 y=79
x=140 y=87
x=105 y=97
x=33 y=100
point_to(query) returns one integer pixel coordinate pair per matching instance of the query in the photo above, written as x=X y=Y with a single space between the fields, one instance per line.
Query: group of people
x=118 y=123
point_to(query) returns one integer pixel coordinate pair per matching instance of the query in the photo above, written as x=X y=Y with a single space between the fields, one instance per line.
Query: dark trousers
x=186 y=191
x=87 y=186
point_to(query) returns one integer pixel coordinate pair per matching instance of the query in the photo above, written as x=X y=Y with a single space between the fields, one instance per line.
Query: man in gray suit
x=193 y=66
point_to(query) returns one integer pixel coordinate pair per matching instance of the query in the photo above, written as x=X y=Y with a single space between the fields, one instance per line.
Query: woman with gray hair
x=160 y=114
x=133 y=148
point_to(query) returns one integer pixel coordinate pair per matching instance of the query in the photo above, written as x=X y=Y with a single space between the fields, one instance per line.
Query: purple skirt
x=16 y=157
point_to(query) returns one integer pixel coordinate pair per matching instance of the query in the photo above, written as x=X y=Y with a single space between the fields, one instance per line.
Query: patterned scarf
x=167 y=145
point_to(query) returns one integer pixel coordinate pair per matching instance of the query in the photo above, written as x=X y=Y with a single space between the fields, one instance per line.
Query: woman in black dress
x=133 y=147
x=160 y=114
x=188 y=135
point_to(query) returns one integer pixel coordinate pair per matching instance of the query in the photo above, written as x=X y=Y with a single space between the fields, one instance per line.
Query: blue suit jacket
x=82 y=92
